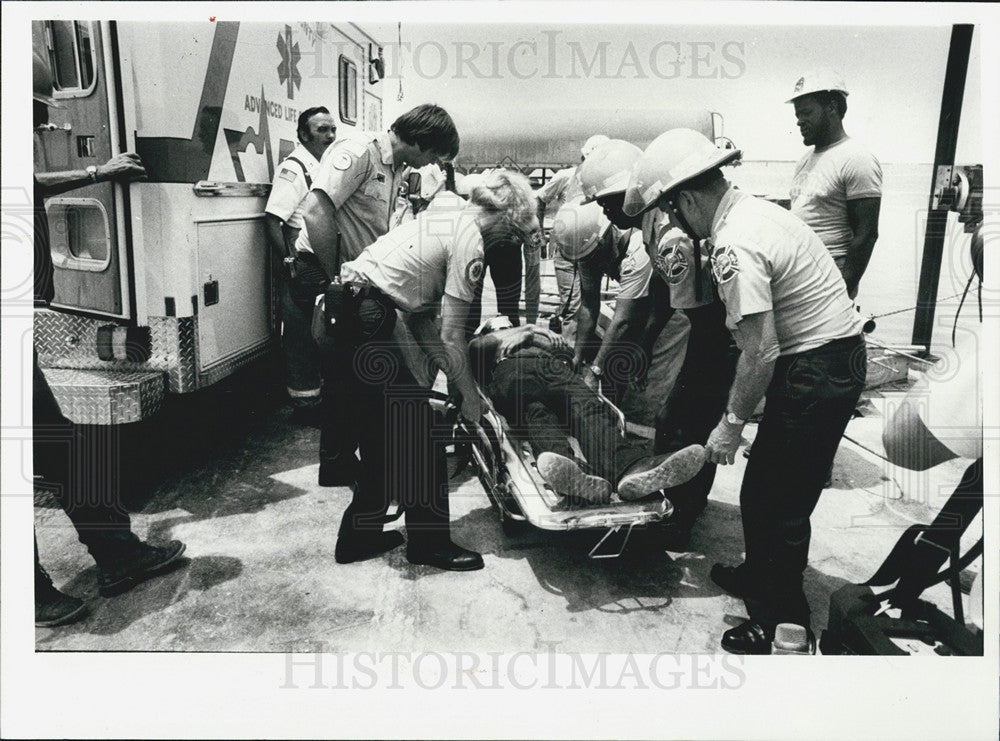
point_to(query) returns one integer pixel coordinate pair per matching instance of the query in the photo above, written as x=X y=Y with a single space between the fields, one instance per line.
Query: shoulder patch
x=474 y=270
x=342 y=161
x=288 y=174
x=676 y=265
x=725 y=265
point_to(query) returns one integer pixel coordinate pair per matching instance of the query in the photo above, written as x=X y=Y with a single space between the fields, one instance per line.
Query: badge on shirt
x=342 y=161
x=474 y=271
x=725 y=265
x=676 y=265
x=287 y=174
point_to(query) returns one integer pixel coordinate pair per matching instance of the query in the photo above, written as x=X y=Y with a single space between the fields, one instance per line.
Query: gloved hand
x=723 y=443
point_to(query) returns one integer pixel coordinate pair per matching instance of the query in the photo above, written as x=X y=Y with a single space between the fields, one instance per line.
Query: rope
x=913 y=308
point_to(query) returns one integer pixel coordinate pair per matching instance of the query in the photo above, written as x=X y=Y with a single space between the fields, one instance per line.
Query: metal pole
x=944 y=157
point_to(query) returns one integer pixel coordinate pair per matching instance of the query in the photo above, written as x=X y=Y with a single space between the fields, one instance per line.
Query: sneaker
x=53 y=607
x=568 y=479
x=147 y=560
x=667 y=472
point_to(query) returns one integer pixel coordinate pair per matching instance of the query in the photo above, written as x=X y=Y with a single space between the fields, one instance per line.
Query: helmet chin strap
x=686 y=228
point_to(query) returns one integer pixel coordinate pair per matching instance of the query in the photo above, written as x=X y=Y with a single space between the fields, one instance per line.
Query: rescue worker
x=837 y=186
x=597 y=249
x=349 y=207
x=563 y=188
x=527 y=374
x=505 y=270
x=801 y=342
x=282 y=224
x=433 y=262
x=681 y=280
x=64 y=453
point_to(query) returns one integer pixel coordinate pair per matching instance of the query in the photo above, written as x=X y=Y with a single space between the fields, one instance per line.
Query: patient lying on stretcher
x=526 y=373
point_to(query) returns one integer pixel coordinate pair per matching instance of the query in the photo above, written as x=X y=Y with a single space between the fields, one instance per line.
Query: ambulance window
x=72 y=56
x=79 y=235
x=348 y=91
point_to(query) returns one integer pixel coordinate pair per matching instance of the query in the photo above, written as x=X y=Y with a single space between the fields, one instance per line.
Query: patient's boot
x=661 y=472
x=567 y=478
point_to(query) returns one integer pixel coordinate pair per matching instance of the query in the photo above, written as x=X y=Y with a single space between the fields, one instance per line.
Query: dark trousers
x=696 y=403
x=543 y=396
x=402 y=444
x=809 y=403
x=77 y=468
x=298 y=348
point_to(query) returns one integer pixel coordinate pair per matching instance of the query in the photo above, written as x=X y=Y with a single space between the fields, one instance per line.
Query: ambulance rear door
x=87 y=225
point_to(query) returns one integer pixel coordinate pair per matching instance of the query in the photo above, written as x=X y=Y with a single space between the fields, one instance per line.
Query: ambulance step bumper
x=106 y=397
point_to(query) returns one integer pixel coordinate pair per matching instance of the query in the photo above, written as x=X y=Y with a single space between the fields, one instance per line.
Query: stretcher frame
x=508 y=471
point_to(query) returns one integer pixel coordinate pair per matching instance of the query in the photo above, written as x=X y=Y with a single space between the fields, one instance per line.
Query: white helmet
x=577 y=229
x=606 y=170
x=671 y=159
x=824 y=79
x=593 y=143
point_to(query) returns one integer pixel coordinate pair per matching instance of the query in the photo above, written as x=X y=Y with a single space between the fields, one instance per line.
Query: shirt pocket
x=377 y=190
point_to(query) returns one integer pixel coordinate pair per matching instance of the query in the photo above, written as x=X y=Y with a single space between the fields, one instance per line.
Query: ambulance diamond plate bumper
x=106 y=397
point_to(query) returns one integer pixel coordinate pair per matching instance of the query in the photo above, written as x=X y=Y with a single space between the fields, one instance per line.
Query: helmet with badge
x=593 y=143
x=818 y=81
x=606 y=171
x=578 y=228
x=671 y=159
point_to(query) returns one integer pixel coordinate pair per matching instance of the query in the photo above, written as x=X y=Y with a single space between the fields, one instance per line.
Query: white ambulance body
x=166 y=285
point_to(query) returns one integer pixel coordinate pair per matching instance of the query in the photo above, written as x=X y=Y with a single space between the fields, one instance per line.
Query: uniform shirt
x=358 y=175
x=672 y=254
x=626 y=262
x=561 y=188
x=440 y=252
x=825 y=180
x=766 y=259
x=289 y=188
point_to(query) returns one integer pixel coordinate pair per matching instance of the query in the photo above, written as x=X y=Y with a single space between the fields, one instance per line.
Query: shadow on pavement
x=112 y=615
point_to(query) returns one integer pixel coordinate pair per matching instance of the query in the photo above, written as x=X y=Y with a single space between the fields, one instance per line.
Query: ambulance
x=165 y=286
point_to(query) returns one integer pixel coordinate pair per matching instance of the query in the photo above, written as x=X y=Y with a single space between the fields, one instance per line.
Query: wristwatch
x=597 y=370
x=92 y=171
x=734 y=420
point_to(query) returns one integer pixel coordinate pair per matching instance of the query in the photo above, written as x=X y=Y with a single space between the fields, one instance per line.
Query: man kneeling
x=527 y=374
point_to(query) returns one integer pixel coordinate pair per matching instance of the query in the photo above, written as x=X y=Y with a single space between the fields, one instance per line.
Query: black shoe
x=349 y=550
x=749 y=637
x=145 y=561
x=339 y=472
x=733 y=579
x=450 y=557
x=53 y=607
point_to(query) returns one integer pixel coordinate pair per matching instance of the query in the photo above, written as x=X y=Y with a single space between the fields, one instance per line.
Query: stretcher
x=508 y=472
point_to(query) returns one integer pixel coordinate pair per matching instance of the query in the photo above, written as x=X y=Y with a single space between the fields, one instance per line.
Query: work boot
x=120 y=575
x=567 y=478
x=661 y=472
x=53 y=607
